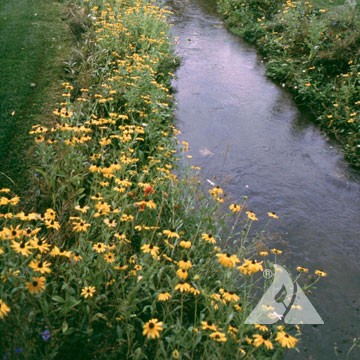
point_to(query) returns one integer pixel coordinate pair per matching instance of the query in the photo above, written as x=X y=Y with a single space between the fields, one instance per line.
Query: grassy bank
x=119 y=257
x=35 y=42
x=312 y=48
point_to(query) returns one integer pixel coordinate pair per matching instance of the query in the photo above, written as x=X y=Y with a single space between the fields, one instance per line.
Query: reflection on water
x=247 y=132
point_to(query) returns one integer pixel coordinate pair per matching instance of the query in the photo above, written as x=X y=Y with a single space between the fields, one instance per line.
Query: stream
x=248 y=136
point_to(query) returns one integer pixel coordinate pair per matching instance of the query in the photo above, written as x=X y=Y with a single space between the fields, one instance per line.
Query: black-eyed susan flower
x=171 y=234
x=302 y=269
x=88 y=291
x=23 y=248
x=194 y=291
x=12 y=233
x=182 y=274
x=83 y=209
x=176 y=354
x=42 y=267
x=80 y=226
x=263 y=253
x=185 y=244
x=272 y=215
x=227 y=260
x=150 y=249
x=250 y=267
x=164 y=296
x=4 y=309
x=50 y=214
x=75 y=256
x=153 y=328
x=261 y=327
x=183 y=286
x=52 y=224
x=208 y=325
x=208 y=238
x=184 y=264
x=230 y=296
x=109 y=257
x=286 y=340
x=100 y=247
x=262 y=340
x=276 y=251
x=40 y=244
x=320 y=273
x=36 y=285
x=235 y=208
x=251 y=215
x=218 y=336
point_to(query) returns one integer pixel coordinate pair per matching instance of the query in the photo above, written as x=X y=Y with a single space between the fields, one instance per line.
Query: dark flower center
x=35 y=283
x=22 y=245
x=151 y=325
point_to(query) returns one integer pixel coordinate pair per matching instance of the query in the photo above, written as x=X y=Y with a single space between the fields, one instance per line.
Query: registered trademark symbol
x=267 y=273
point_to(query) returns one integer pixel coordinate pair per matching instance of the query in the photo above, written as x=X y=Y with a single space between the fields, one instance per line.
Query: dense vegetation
x=313 y=49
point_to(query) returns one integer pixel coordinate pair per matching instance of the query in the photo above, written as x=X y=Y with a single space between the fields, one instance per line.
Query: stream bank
x=247 y=133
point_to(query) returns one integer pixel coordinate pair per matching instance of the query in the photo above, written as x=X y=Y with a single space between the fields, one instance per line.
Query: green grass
x=312 y=49
x=34 y=42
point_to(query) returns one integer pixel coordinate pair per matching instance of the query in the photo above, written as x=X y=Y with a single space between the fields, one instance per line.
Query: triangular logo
x=284 y=300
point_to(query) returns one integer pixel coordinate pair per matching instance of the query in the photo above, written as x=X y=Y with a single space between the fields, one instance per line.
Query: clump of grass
x=120 y=257
x=314 y=52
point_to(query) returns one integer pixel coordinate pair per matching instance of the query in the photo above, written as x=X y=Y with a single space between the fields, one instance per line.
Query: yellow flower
x=250 y=267
x=171 y=234
x=320 y=273
x=152 y=329
x=36 y=285
x=208 y=238
x=12 y=233
x=251 y=216
x=227 y=260
x=88 y=291
x=263 y=253
x=183 y=286
x=185 y=244
x=218 y=336
x=22 y=248
x=208 y=325
x=230 y=296
x=272 y=215
x=80 y=226
x=260 y=340
x=40 y=244
x=276 y=251
x=261 y=327
x=150 y=249
x=164 y=296
x=99 y=247
x=235 y=208
x=42 y=267
x=286 y=340
x=182 y=274
x=186 y=265
x=4 y=309
x=109 y=257
x=302 y=269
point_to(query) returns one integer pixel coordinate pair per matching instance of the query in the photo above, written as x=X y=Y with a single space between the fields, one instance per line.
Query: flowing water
x=248 y=133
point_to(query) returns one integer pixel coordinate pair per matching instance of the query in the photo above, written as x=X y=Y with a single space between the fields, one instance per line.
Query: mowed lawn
x=33 y=47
